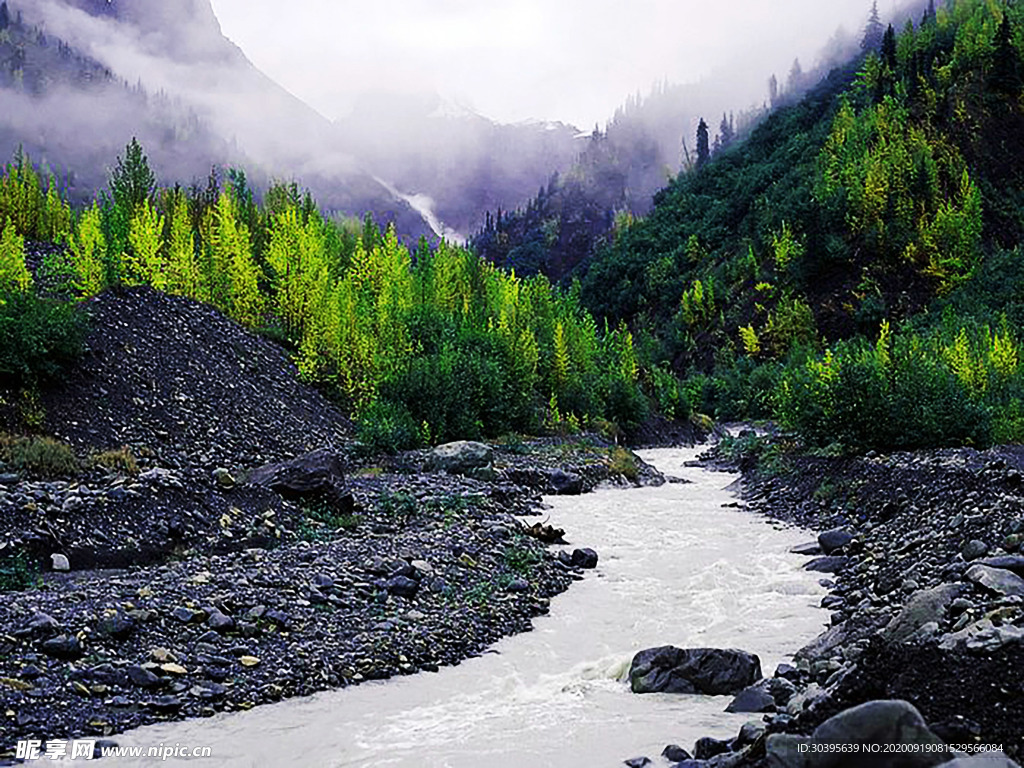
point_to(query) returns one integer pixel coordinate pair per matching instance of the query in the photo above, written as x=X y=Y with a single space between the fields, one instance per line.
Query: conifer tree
x=88 y=247
x=929 y=14
x=145 y=238
x=726 y=134
x=889 y=48
x=1005 y=75
x=183 y=276
x=703 y=144
x=5 y=16
x=132 y=181
x=874 y=31
x=14 y=276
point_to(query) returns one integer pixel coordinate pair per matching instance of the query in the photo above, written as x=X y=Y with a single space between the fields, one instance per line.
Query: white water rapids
x=676 y=567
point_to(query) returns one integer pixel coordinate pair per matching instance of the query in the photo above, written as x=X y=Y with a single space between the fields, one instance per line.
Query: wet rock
x=696 y=670
x=707 y=747
x=674 y=753
x=219 y=622
x=185 y=615
x=584 y=558
x=142 y=677
x=118 y=626
x=1013 y=563
x=974 y=549
x=562 y=483
x=752 y=699
x=996 y=760
x=403 y=586
x=638 y=762
x=837 y=538
x=809 y=549
x=827 y=564
x=997 y=580
x=223 y=478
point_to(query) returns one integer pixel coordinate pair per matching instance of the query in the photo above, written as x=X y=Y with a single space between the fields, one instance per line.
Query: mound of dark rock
x=172 y=376
x=693 y=670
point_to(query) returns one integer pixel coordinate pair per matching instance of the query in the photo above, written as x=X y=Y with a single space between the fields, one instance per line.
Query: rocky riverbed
x=922 y=555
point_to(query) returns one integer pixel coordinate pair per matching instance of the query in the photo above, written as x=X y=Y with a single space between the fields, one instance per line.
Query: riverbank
x=921 y=553
x=427 y=568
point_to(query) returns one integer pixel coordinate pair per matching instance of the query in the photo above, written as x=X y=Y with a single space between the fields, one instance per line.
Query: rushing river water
x=676 y=568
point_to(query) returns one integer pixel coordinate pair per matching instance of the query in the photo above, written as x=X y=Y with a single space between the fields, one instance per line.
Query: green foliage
x=132 y=181
x=38 y=338
x=40 y=456
x=119 y=460
x=622 y=463
x=88 y=246
x=17 y=572
x=35 y=212
x=14 y=276
x=387 y=427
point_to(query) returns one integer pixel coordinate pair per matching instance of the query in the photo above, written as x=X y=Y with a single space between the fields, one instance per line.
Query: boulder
x=64 y=647
x=752 y=699
x=1013 y=563
x=874 y=724
x=675 y=754
x=459 y=458
x=922 y=608
x=997 y=580
x=827 y=564
x=694 y=670
x=987 y=760
x=316 y=474
x=584 y=558
x=562 y=483
x=835 y=539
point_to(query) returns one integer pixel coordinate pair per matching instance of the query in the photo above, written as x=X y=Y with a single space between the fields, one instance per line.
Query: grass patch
x=42 y=456
x=17 y=573
x=119 y=460
x=623 y=463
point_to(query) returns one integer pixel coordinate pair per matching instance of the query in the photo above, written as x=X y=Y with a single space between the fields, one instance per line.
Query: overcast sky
x=511 y=60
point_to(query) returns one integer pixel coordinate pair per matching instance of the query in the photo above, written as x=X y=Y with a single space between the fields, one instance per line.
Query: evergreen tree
x=726 y=132
x=889 y=49
x=1005 y=75
x=132 y=182
x=929 y=14
x=5 y=16
x=14 y=276
x=773 y=90
x=796 y=78
x=874 y=31
x=88 y=246
x=703 y=145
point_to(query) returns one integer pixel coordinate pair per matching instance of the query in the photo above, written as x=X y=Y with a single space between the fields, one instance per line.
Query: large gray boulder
x=987 y=760
x=922 y=608
x=459 y=458
x=997 y=580
x=316 y=474
x=863 y=731
x=694 y=670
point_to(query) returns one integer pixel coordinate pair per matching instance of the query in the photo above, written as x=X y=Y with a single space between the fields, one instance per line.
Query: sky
x=573 y=61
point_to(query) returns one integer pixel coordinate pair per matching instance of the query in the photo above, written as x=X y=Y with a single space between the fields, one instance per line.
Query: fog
x=568 y=60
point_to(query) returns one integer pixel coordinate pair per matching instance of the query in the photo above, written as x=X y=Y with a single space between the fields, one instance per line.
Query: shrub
x=387 y=427
x=623 y=463
x=42 y=456
x=119 y=460
x=38 y=338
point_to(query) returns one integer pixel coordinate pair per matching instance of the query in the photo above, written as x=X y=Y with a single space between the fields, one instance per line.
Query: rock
x=752 y=699
x=1013 y=563
x=974 y=549
x=921 y=608
x=64 y=647
x=519 y=585
x=994 y=760
x=696 y=670
x=458 y=458
x=403 y=586
x=118 y=626
x=835 y=539
x=41 y=625
x=142 y=677
x=60 y=562
x=637 y=762
x=707 y=747
x=584 y=558
x=165 y=704
x=749 y=734
x=562 y=483
x=827 y=564
x=810 y=548
x=876 y=723
x=316 y=474
x=223 y=478
x=219 y=622
x=185 y=615
x=997 y=580
x=674 y=753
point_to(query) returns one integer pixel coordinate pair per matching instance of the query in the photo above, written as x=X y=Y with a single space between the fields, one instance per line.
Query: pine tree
x=1005 y=75
x=183 y=276
x=703 y=144
x=145 y=238
x=5 y=16
x=773 y=90
x=795 y=82
x=889 y=48
x=14 y=276
x=726 y=134
x=929 y=14
x=132 y=181
x=874 y=31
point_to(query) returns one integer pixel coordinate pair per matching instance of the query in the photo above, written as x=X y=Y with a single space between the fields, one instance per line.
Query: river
x=676 y=567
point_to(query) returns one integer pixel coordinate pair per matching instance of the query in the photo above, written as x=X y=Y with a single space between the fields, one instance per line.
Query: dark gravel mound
x=175 y=377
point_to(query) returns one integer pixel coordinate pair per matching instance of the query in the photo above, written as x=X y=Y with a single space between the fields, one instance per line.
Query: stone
x=827 y=564
x=974 y=549
x=459 y=458
x=316 y=474
x=988 y=760
x=749 y=734
x=674 y=753
x=60 y=562
x=562 y=483
x=519 y=585
x=41 y=625
x=142 y=677
x=833 y=540
x=224 y=478
x=220 y=622
x=707 y=747
x=118 y=626
x=64 y=647
x=185 y=615
x=997 y=580
x=696 y=670
x=921 y=608
x=874 y=723
x=584 y=558
x=403 y=586
x=808 y=549
x=1013 y=563
x=753 y=699
x=638 y=762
